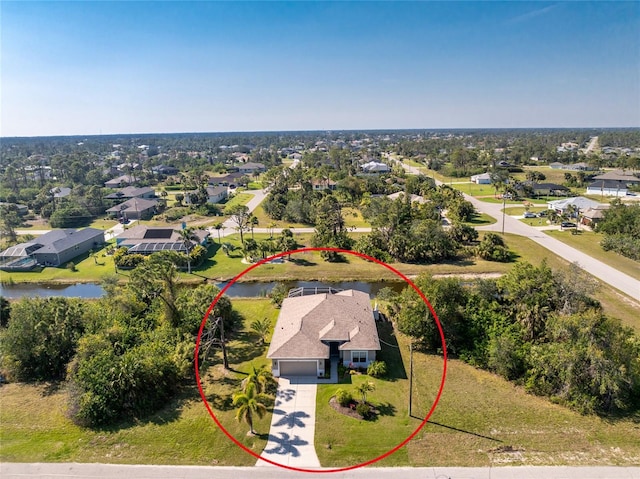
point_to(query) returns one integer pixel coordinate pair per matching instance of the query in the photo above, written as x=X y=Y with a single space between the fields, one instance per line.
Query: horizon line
x=325 y=130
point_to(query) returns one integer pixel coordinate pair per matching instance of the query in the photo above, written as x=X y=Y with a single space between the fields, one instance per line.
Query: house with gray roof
x=134 y=209
x=132 y=192
x=314 y=329
x=150 y=239
x=54 y=248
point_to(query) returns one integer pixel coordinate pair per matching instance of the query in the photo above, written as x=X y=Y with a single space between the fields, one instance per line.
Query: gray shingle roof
x=306 y=321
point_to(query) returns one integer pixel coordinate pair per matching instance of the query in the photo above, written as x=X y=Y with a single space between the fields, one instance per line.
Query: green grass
x=589 y=242
x=520 y=210
x=103 y=223
x=481 y=220
x=474 y=190
x=237 y=199
x=353 y=218
x=35 y=427
x=265 y=221
x=481 y=420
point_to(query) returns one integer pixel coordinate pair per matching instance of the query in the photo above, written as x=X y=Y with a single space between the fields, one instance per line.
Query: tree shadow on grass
x=245 y=348
x=302 y=262
x=459 y=430
x=390 y=353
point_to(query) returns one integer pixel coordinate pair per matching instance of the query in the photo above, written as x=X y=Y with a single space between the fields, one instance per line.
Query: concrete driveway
x=293 y=425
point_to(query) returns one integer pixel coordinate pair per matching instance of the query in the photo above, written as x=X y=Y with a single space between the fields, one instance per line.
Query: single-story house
x=147 y=239
x=482 y=179
x=313 y=329
x=120 y=181
x=165 y=170
x=60 y=191
x=20 y=209
x=54 y=248
x=557 y=166
x=251 y=167
x=215 y=194
x=627 y=177
x=230 y=179
x=413 y=198
x=547 y=189
x=132 y=192
x=323 y=184
x=375 y=167
x=608 y=188
x=592 y=216
x=134 y=209
x=579 y=202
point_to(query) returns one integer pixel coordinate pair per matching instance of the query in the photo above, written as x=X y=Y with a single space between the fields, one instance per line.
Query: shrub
x=377 y=369
x=343 y=397
x=71 y=266
x=363 y=409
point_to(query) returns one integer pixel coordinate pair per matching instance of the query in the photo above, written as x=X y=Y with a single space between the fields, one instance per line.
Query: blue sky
x=136 y=67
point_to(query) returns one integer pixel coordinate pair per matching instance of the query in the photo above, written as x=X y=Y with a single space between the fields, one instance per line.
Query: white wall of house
x=607 y=191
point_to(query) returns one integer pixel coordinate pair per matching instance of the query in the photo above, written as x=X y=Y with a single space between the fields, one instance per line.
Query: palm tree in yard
x=187 y=235
x=250 y=404
x=259 y=377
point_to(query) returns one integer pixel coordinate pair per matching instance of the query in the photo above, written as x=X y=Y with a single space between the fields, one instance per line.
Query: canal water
x=237 y=290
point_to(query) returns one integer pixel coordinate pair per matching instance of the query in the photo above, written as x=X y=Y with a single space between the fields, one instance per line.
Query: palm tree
x=365 y=388
x=262 y=327
x=259 y=377
x=228 y=248
x=250 y=403
x=218 y=226
x=253 y=222
x=187 y=235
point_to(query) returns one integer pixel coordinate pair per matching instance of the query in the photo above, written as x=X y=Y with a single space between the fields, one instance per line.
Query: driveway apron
x=293 y=425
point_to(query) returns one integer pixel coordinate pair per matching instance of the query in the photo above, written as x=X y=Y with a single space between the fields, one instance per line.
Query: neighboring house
x=295 y=156
x=400 y=194
x=250 y=167
x=580 y=202
x=593 y=216
x=54 y=248
x=60 y=192
x=227 y=180
x=147 y=239
x=557 y=166
x=134 y=209
x=482 y=179
x=20 y=209
x=547 y=189
x=120 y=181
x=215 y=194
x=582 y=166
x=132 y=192
x=607 y=188
x=165 y=170
x=323 y=184
x=375 y=167
x=311 y=330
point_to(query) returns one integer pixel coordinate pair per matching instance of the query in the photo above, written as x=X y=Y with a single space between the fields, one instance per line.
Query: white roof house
x=579 y=202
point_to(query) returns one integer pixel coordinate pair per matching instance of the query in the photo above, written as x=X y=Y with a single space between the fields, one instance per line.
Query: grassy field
x=481 y=420
x=35 y=427
x=520 y=210
x=589 y=242
x=265 y=221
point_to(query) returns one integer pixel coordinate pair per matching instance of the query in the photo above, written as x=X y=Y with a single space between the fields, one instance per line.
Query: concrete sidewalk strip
x=118 y=471
x=293 y=426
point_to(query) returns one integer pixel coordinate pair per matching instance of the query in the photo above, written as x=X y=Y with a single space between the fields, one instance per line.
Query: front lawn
x=481 y=420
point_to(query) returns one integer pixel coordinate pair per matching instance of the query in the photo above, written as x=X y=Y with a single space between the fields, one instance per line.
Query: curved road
x=621 y=281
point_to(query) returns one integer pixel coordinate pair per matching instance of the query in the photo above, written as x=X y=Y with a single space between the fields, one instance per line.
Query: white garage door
x=298 y=368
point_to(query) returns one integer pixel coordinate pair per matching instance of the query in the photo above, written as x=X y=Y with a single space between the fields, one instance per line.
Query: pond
x=244 y=290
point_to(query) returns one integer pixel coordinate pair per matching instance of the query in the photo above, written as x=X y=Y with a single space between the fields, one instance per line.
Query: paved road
x=116 y=471
x=602 y=271
x=293 y=426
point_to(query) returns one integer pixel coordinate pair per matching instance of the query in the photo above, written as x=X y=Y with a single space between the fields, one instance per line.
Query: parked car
x=529 y=214
x=567 y=224
x=543 y=213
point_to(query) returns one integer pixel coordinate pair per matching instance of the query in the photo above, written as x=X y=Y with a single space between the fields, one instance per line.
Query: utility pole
x=504 y=205
x=410 y=376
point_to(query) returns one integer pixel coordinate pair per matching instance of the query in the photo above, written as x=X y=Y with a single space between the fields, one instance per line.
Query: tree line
x=535 y=326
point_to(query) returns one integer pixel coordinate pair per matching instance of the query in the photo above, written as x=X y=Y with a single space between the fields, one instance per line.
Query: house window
x=358 y=356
